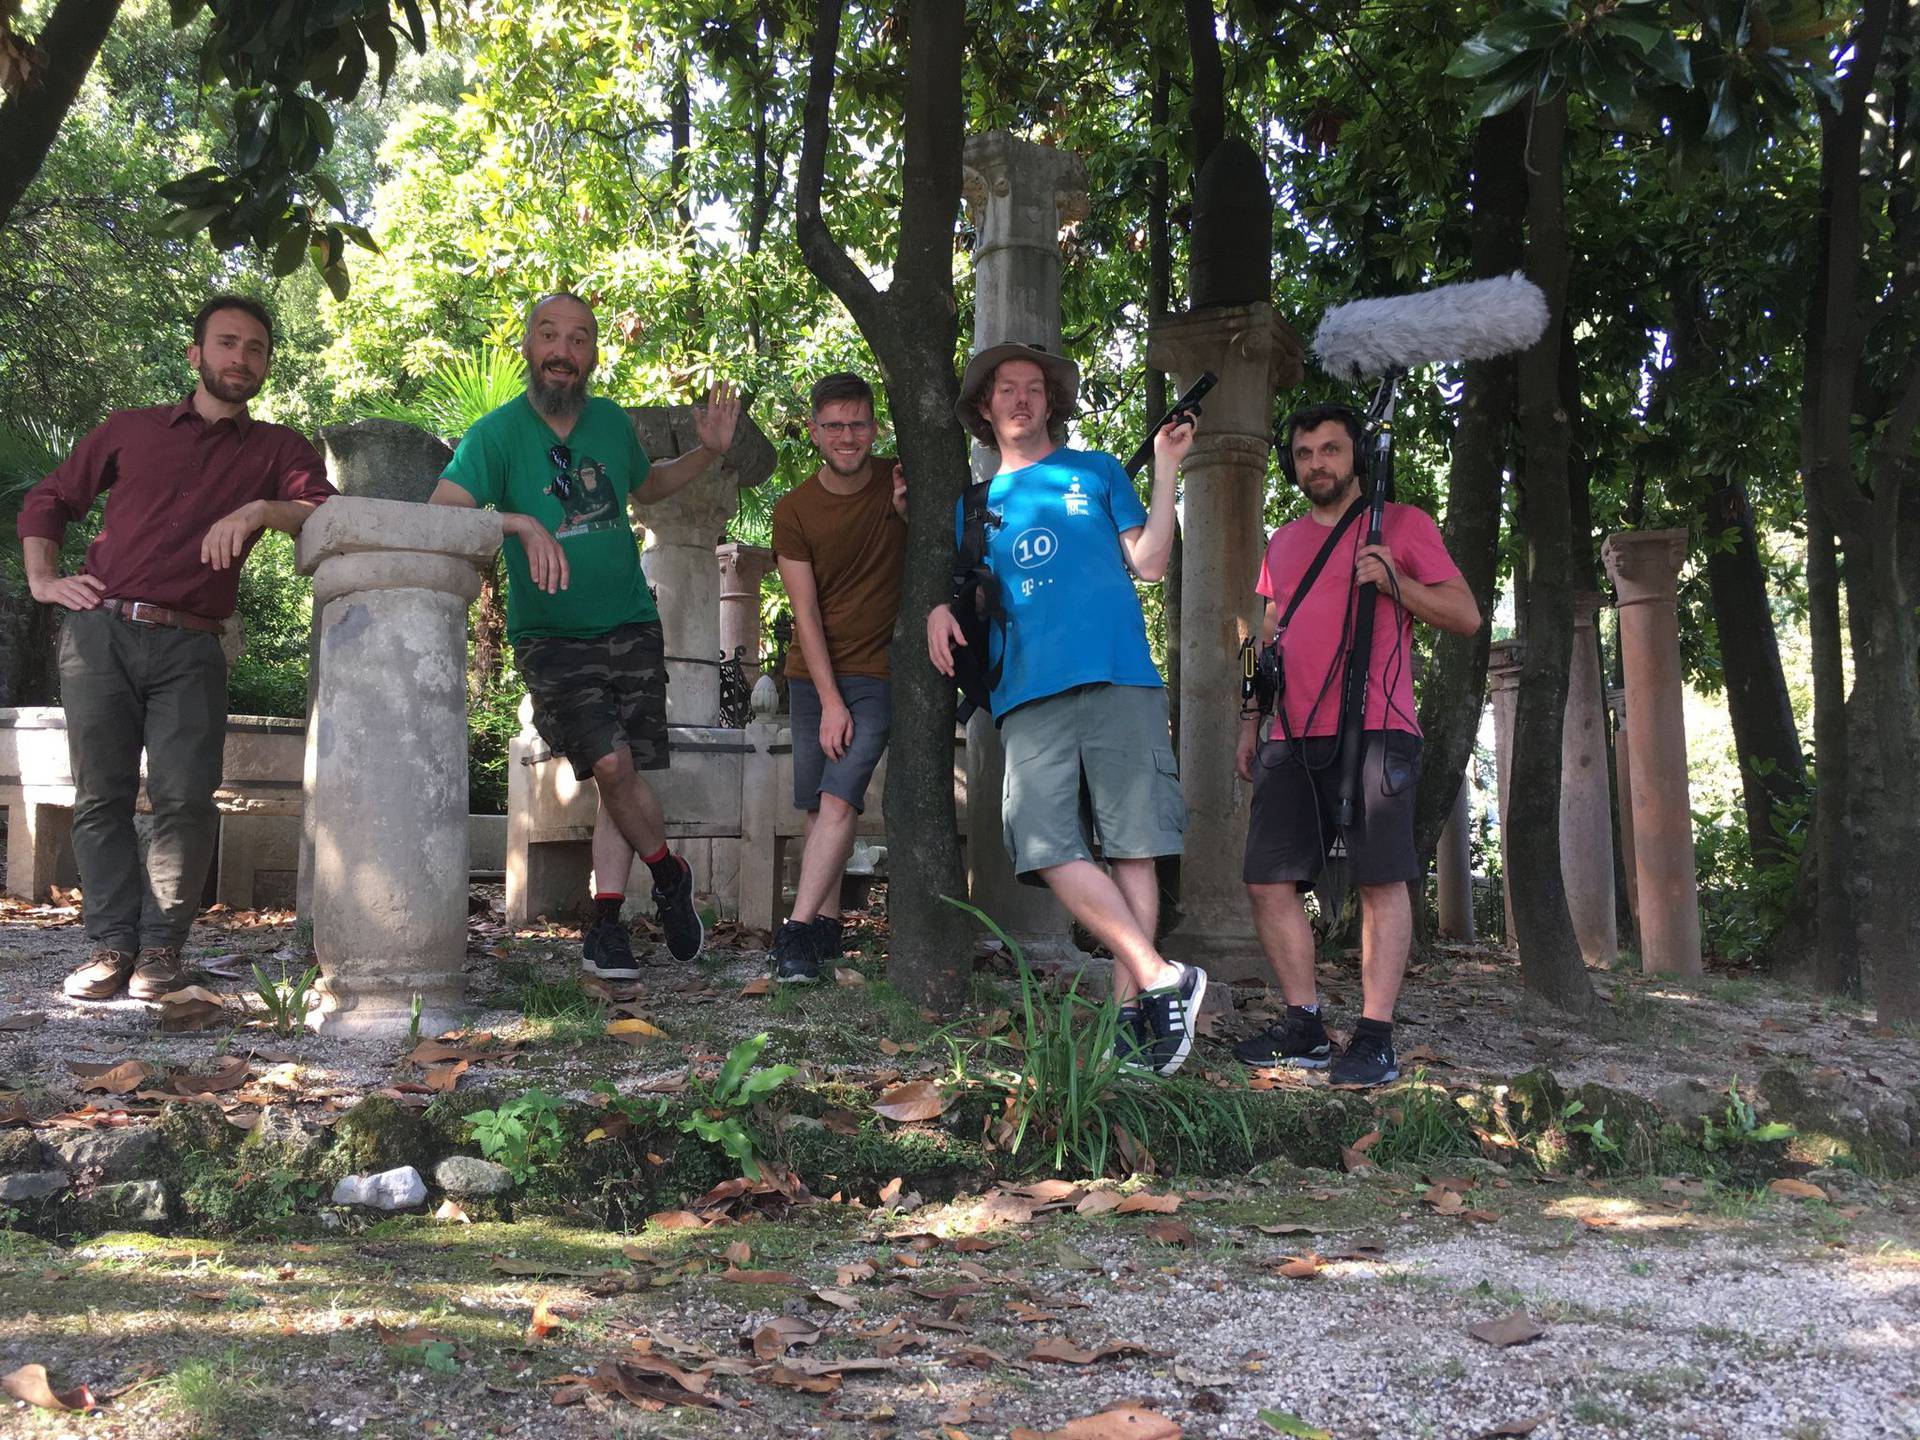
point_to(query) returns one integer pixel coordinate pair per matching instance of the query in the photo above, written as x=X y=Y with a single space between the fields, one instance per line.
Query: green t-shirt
x=506 y=461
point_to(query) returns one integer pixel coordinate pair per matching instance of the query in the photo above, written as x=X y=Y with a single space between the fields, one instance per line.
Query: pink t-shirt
x=1312 y=653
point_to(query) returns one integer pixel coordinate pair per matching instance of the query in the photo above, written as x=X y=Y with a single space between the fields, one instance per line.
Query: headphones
x=1312 y=418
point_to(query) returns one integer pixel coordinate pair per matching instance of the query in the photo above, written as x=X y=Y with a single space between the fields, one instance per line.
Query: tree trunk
x=1550 y=959
x=913 y=329
x=1455 y=688
x=30 y=119
x=489 y=633
x=1772 y=770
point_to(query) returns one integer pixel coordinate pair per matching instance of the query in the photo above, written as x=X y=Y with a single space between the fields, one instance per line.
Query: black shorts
x=1290 y=829
x=593 y=695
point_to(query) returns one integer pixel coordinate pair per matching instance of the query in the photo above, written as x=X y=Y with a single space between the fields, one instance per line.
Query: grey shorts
x=1092 y=766
x=871 y=701
x=1291 y=827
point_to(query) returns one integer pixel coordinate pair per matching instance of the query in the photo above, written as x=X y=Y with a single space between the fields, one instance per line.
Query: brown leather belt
x=139 y=612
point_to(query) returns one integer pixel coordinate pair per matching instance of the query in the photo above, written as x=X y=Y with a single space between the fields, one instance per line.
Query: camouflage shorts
x=594 y=694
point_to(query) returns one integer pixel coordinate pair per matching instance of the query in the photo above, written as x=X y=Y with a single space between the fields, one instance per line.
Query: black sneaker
x=1298 y=1040
x=1171 y=1013
x=1133 y=1040
x=794 y=960
x=1368 y=1060
x=607 y=951
x=829 y=936
x=681 y=922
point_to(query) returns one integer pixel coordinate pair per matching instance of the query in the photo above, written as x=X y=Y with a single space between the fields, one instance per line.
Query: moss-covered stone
x=1874 y=1129
x=376 y=1134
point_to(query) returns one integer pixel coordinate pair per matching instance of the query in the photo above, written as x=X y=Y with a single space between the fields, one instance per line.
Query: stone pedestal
x=387 y=757
x=1623 y=793
x=1504 y=658
x=1254 y=354
x=1645 y=566
x=1453 y=867
x=682 y=534
x=742 y=567
x=1018 y=194
x=1586 y=811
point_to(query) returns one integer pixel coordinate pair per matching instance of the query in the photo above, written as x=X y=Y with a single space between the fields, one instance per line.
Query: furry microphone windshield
x=1474 y=320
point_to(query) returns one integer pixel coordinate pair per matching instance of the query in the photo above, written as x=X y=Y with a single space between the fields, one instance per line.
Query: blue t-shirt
x=1073 y=616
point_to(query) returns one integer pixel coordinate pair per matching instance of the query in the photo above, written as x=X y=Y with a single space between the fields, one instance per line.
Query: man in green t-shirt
x=562 y=468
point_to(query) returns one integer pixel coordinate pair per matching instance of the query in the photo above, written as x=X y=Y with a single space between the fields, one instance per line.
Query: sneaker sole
x=1287 y=1062
x=1193 y=1018
x=1386 y=1079
x=610 y=972
x=796 y=979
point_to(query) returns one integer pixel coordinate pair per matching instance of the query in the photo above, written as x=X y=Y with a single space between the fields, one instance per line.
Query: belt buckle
x=131 y=613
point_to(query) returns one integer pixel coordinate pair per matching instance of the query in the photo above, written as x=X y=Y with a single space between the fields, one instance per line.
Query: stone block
x=384 y=460
x=400 y=1189
x=259 y=860
x=111 y=1156
x=467 y=1176
x=281 y=1131
x=347 y=526
x=486 y=842
x=24 y=1185
x=24 y=1150
x=137 y=1202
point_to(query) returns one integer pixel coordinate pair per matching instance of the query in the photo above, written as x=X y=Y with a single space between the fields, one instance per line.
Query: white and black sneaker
x=1298 y=1041
x=1369 y=1058
x=794 y=960
x=1171 y=1013
x=606 y=950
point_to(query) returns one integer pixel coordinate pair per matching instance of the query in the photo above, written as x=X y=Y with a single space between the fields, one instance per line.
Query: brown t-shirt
x=857 y=545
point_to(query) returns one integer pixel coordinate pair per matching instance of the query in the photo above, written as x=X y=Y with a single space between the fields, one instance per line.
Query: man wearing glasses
x=841 y=540
x=562 y=467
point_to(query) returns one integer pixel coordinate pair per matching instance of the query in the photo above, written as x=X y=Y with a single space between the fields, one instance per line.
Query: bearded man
x=190 y=488
x=586 y=633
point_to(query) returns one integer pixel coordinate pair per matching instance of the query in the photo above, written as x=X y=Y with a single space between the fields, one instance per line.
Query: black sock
x=1313 y=1010
x=606 y=907
x=665 y=867
x=1380 y=1029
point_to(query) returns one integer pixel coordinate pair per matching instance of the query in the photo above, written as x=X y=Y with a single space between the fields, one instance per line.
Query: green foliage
x=522 y=1134
x=284 y=1001
x=1067 y=1083
x=1421 y=1125
x=1743 y=904
x=457 y=392
x=439 y=1356
x=721 y=1108
x=1739 y=1125
x=1595 y=1129
x=215 y=1393
x=493 y=719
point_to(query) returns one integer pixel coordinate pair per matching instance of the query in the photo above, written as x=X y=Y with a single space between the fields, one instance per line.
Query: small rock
x=135 y=1200
x=111 y=1156
x=23 y=1150
x=31 y=1185
x=1847 y=1187
x=399 y=1189
x=1686 y=1101
x=281 y=1129
x=467 y=1175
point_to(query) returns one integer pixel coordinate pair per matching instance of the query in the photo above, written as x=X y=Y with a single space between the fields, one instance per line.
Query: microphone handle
x=1353 y=707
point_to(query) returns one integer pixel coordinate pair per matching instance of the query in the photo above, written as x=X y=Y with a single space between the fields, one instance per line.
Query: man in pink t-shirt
x=1294 y=767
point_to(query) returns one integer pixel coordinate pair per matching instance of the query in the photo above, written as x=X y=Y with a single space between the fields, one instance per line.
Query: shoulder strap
x=1320 y=561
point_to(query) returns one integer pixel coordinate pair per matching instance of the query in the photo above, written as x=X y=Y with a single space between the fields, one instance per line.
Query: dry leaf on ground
x=1065 y=1352
x=1171 y=1232
x=1444 y=1201
x=30 y=1383
x=759 y=1277
x=1524 y=1426
x=1299 y=1267
x=757 y=986
x=1123 y=1422
x=127 y=1076
x=545 y=1321
x=633 y=1030
x=780 y=1334
x=738 y=1253
x=1099 y=1202
x=799 y=1380
x=848 y=979
x=675 y=1220
x=1515 y=1329
x=1149 y=1204
x=1797 y=1190
x=911 y=1100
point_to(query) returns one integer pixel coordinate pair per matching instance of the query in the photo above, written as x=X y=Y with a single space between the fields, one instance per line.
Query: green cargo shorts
x=1089 y=768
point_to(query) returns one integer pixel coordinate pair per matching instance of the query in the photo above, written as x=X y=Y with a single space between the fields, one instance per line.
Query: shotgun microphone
x=1473 y=320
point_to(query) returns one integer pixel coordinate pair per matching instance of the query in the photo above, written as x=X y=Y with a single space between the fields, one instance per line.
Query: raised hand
x=715 y=422
x=1172 y=442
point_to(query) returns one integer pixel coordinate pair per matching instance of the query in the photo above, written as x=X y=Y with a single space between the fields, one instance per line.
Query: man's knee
x=834 y=808
x=1391 y=895
x=615 y=769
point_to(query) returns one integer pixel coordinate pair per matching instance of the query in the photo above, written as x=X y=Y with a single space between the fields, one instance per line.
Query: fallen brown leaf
x=1171 y=1232
x=676 y=1220
x=759 y=985
x=1444 y=1201
x=1123 y=1422
x=738 y=1253
x=911 y=1100
x=780 y=1334
x=1299 y=1267
x=545 y=1321
x=1065 y=1352
x=1516 y=1427
x=1098 y=1202
x=759 y=1277
x=1797 y=1190
x=799 y=1380
x=118 y=1079
x=839 y=1299
x=1515 y=1329
x=848 y=979
x=30 y=1383
x=1148 y=1204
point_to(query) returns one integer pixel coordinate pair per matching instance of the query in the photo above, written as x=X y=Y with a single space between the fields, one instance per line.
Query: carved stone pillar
x=1254 y=353
x=387 y=755
x=1645 y=566
x=1504 y=658
x=1586 y=811
x=1018 y=195
x=742 y=567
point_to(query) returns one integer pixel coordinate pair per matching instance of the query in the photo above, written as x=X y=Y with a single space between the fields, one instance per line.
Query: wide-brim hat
x=1057 y=368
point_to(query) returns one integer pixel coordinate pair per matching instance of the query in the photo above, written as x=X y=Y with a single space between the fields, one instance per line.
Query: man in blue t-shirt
x=1081 y=709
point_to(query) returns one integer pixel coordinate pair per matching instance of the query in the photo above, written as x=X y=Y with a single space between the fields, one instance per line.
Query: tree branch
x=30 y=119
x=824 y=255
x=933 y=146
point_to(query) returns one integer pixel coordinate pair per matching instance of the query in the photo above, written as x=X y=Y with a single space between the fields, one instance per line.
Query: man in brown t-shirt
x=841 y=540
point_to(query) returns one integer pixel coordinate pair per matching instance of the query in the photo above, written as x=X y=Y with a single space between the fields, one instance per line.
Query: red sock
x=665 y=866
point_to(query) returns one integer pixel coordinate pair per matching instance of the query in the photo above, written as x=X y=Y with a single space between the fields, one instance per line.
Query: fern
x=456 y=393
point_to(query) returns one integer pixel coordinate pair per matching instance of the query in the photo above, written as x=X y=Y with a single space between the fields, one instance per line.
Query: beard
x=859 y=467
x=559 y=396
x=229 y=392
x=1323 y=492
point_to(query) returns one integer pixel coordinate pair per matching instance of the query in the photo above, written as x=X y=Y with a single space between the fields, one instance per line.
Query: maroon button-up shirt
x=170 y=475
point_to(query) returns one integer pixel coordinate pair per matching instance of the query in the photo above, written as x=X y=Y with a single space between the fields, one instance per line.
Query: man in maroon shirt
x=190 y=487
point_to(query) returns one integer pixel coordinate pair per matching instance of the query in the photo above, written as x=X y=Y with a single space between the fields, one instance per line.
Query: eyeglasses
x=562 y=460
x=834 y=429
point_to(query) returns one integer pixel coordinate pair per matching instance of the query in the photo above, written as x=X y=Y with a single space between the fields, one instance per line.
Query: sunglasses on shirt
x=562 y=486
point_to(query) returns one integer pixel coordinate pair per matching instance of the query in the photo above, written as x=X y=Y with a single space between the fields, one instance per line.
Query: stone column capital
x=1504 y=659
x=742 y=566
x=1250 y=339
x=1586 y=605
x=998 y=168
x=1644 y=564
x=350 y=543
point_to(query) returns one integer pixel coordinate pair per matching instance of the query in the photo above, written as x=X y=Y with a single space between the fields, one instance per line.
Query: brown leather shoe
x=158 y=972
x=102 y=977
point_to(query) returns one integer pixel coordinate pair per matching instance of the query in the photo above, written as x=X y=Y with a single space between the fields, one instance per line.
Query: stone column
x=387 y=753
x=1623 y=794
x=1586 y=810
x=1254 y=353
x=1645 y=566
x=678 y=560
x=372 y=460
x=1504 y=658
x=1019 y=195
x=1453 y=866
x=742 y=567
